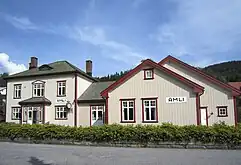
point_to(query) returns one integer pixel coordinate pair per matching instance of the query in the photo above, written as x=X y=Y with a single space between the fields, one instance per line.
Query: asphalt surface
x=38 y=154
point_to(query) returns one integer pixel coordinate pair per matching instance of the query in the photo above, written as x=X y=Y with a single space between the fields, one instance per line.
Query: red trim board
x=197 y=88
x=235 y=92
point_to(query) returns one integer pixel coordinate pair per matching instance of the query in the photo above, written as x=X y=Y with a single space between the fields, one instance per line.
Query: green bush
x=140 y=134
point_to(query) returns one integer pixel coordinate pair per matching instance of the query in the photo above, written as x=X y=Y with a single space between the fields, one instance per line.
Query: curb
x=127 y=144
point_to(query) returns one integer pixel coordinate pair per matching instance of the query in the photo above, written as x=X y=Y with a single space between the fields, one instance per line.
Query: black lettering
x=170 y=99
x=175 y=99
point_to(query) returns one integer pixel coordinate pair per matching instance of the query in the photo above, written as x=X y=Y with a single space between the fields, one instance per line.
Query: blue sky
x=117 y=34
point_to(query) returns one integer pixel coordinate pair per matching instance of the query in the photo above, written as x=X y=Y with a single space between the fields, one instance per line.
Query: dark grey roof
x=2 y=82
x=57 y=67
x=93 y=92
x=35 y=100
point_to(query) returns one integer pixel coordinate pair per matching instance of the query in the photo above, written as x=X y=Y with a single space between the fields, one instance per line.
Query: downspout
x=198 y=107
x=106 y=109
x=235 y=111
x=75 y=100
x=43 y=114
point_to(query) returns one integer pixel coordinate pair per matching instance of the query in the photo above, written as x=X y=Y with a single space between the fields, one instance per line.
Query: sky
x=118 y=34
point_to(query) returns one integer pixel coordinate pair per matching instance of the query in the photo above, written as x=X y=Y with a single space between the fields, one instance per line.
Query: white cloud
x=93 y=35
x=22 y=23
x=112 y=49
x=202 y=29
x=8 y=66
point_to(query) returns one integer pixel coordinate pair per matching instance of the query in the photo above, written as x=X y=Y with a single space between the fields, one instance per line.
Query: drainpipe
x=75 y=100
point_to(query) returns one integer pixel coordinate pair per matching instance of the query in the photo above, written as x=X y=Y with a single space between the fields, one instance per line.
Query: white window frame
x=95 y=109
x=61 y=88
x=16 y=111
x=148 y=74
x=61 y=110
x=222 y=111
x=17 y=91
x=125 y=104
x=149 y=106
x=40 y=87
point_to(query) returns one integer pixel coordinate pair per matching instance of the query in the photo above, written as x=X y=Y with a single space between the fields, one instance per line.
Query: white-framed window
x=222 y=111
x=60 y=112
x=97 y=112
x=61 y=88
x=38 y=89
x=17 y=91
x=149 y=110
x=128 y=110
x=16 y=113
x=148 y=74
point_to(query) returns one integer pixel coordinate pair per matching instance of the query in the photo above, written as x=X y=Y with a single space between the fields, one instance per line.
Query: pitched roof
x=196 y=87
x=58 y=67
x=35 y=100
x=209 y=78
x=93 y=92
x=235 y=85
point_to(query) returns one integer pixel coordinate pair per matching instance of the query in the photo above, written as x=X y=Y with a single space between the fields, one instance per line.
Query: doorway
x=97 y=112
x=204 y=116
x=32 y=114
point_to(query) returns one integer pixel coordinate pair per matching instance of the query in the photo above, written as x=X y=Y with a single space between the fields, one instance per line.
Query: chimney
x=34 y=63
x=89 y=67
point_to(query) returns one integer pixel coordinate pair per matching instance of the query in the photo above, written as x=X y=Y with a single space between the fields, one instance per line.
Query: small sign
x=176 y=99
x=60 y=100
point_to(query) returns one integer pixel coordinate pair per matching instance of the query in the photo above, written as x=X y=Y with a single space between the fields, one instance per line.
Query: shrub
x=140 y=134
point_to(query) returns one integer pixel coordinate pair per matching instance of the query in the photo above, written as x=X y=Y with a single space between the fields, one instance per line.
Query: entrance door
x=204 y=116
x=97 y=114
x=34 y=114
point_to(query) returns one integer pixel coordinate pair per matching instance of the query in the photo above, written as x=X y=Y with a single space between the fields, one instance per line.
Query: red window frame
x=149 y=78
x=143 y=110
x=122 y=113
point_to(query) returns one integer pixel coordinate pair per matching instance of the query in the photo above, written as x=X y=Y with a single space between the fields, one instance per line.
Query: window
x=149 y=110
x=17 y=91
x=127 y=110
x=148 y=74
x=60 y=113
x=222 y=111
x=16 y=113
x=97 y=112
x=38 y=89
x=61 y=88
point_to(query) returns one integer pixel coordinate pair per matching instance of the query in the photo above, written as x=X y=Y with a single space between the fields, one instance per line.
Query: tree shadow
x=36 y=161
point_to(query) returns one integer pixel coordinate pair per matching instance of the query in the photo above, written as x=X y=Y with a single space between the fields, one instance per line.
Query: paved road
x=37 y=154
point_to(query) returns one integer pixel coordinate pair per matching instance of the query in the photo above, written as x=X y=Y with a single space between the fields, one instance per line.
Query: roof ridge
x=200 y=72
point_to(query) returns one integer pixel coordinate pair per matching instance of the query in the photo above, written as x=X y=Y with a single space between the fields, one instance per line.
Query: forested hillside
x=227 y=71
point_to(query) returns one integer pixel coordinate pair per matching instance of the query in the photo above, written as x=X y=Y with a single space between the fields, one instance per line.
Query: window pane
x=100 y=107
x=93 y=115
x=153 y=113
x=147 y=113
x=63 y=91
x=94 y=107
x=153 y=103
x=131 y=114
x=42 y=92
x=29 y=115
x=131 y=104
x=125 y=114
x=100 y=117
x=146 y=103
x=124 y=104
x=65 y=114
